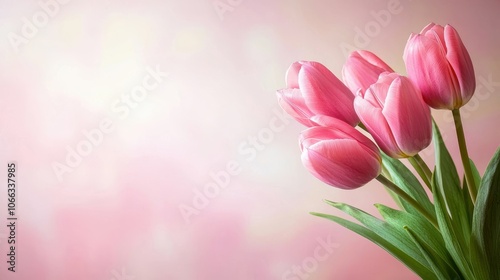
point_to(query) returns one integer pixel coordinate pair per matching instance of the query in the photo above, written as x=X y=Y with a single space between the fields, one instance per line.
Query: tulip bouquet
x=451 y=230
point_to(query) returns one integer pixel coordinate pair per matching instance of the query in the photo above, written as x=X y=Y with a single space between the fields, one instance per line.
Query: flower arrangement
x=454 y=233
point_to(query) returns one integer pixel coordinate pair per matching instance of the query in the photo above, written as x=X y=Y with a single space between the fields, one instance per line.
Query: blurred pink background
x=120 y=113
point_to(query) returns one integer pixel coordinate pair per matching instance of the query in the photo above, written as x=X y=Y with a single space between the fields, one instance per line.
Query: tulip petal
x=387 y=78
x=376 y=94
x=461 y=63
x=341 y=163
x=362 y=69
x=292 y=75
x=427 y=27
x=408 y=117
x=378 y=127
x=436 y=33
x=358 y=75
x=375 y=60
x=348 y=132
x=325 y=94
x=312 y=135
x=292 y=102
x=429 y=69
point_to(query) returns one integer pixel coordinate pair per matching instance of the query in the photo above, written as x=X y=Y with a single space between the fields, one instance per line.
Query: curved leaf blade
x=448 y=184
x=421 y=227
x=442 y=269
x=486 y=219
x=415 y=266
x=457 y=252
x=406 y=180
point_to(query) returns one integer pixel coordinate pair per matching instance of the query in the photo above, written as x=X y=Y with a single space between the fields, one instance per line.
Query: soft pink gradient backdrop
x=118 y=211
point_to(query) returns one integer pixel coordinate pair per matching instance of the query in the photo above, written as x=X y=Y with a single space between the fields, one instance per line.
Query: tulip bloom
x=362 y=69
x=439 y=64
x=396 y=116
x=338 y=154
x=313 y=90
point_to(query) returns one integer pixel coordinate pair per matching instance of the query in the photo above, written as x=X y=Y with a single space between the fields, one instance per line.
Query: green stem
x=394 y=196
x=471 y=184
x=424 y=166
x=393 y=187
x=422 y=169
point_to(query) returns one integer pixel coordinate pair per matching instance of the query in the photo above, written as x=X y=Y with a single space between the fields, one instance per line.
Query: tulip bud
x=396 y=116
x=338 y=154
x=362 y=69
x=313 y=90
x=439 y=64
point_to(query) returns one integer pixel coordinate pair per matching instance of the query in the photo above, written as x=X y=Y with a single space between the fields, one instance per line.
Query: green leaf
x=394 y=196
x=448 y=183
x=411 y=263
x=469 y=206
x=422 y=227
x=478 y=260
x=384 y=230
x=450 y=236
x=404 y=178
x=475 y=173
x=486 y=219
x=442 y=270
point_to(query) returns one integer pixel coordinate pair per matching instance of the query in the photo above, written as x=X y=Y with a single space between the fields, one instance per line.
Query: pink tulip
x=396 y=116
x=293 y=103
x=313 y=90
x=338 y=154
x=439 y=64
x=362 y=69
